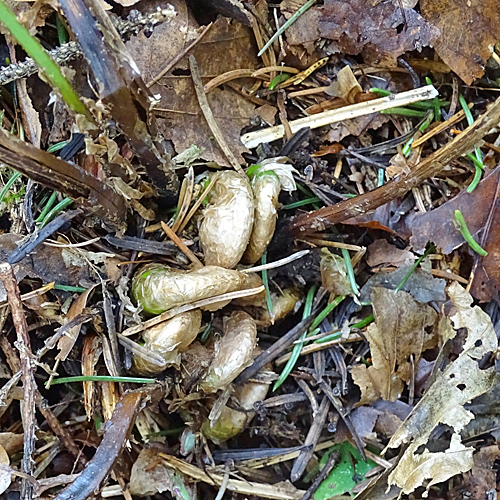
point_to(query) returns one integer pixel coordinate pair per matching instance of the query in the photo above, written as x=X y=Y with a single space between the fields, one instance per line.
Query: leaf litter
x=229 y=308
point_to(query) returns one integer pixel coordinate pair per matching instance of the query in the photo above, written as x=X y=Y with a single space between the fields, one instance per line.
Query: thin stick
x=333 y=244
x=277 y=263
x=29 y=386
x=330 y=464
x=308 y=349
x=182 y=246
x=197 y=204
x=189 y=307
x=179 y=56
x=244 y=487
x=313 y=222
x=209 y=117
x=253 y=139
x=440 y=128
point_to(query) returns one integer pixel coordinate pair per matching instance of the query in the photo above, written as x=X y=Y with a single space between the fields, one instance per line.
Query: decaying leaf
x=334 y=275
x=386 y=33
x=233 y=352
x=444 y=401
x=421 y=284
x=414 y=468
x=227 y=220
x=469 y=30
x=68 y=340
x=480 y=212
x=91 y=351
x=150 y=476
x=231 y=422
x=158 y=288
x=382 y=252
x=46 y=264
x=225 y=47
x=397 y=338
x=5 y=474
x=481 y=479
x=169 y=339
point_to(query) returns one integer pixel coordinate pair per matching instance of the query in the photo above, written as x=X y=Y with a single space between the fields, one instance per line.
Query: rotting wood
x=318 y=220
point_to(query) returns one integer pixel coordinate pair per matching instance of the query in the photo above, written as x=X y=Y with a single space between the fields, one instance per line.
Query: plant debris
x=249 y=249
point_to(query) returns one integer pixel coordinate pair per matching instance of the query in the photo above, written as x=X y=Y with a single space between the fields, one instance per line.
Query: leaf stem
x=462 y=226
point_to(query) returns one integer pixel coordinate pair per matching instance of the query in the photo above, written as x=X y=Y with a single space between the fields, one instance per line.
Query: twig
x=189 y=307
x=185 y=201
x=274 y=351
x=277 y=263
x=330 y=464
x=68 y=51
x=253 y=139
x=440 y=128
x=244 y=487
x=198 y=202
x=337 y=403
x=179 y=56
x=316 y=221
x=24 y=346
x=209 y=117
x=313 y=435
x=182 y=246
x=38 y=237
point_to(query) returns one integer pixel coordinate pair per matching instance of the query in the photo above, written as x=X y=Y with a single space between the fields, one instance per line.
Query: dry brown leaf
x=386 y=34
x=399 y=332
x=356 y=126
x=5 y=474
x=46 y=264
x=68 y=340
x=150 y=476
x=11 y=443
x=469 y=30
x=227 y=46
x=481 y=479
x=382 y=252
x=414 y=468
x=443 y=403
x=346 y=87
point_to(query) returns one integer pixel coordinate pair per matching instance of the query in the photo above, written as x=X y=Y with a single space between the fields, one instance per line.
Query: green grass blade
x=462 y=226
x=58 y=208
x=281 y=30
x=429 y=250
x=102 y=378
x=42 y=58
x=8 y=185
x=297 y=348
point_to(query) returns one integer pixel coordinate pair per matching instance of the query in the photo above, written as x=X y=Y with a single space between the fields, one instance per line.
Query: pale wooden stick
x=253 y=139
x=440 y=128
x=189 y=307
x=181 y=245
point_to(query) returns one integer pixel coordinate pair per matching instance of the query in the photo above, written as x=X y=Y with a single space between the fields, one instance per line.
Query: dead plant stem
x=318 y=220
x=24 y=346
x=209 y=117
